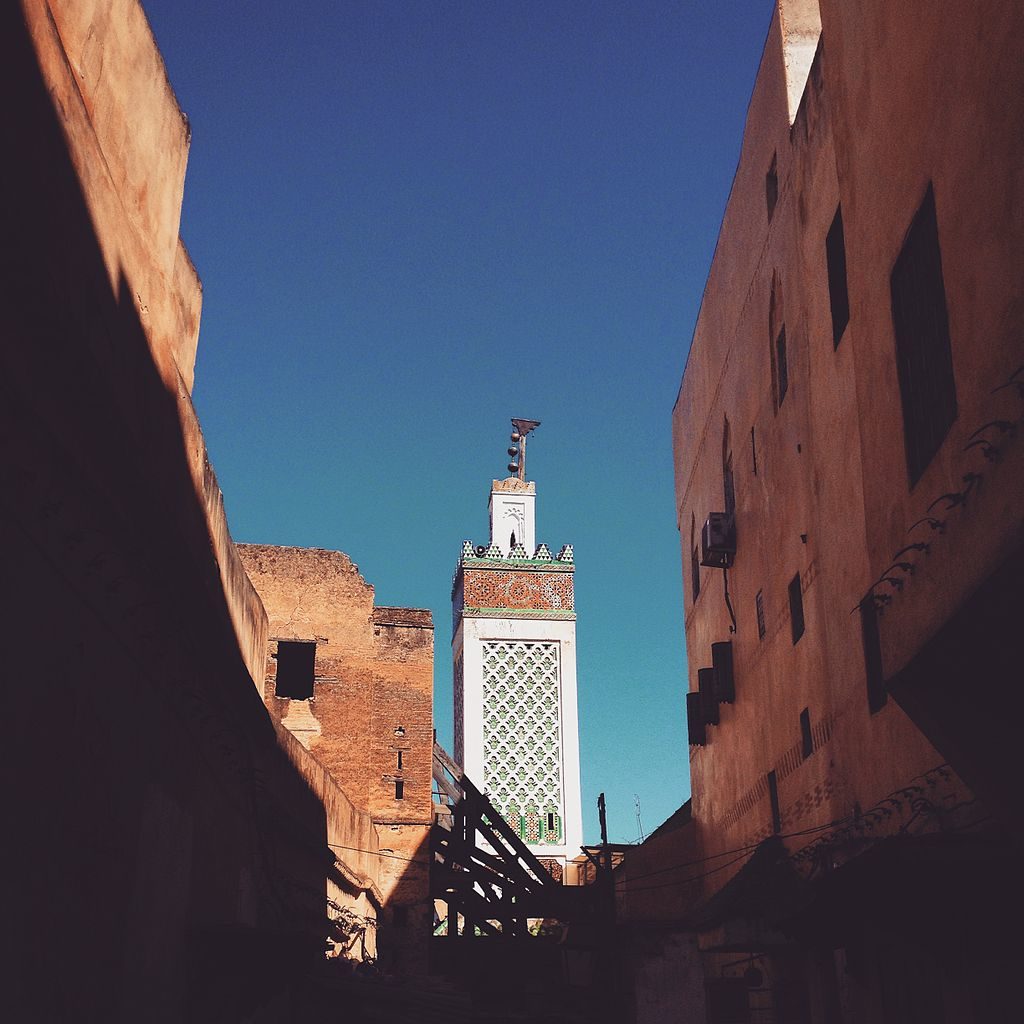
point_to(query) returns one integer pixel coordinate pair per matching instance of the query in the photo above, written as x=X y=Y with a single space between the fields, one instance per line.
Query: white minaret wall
x=513 y=512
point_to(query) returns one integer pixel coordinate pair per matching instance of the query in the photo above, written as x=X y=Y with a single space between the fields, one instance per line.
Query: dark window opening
x=806 y=739
x=835 y=258
x=551 y=822
x=399 y=789
x=872 y=654
x=924 y=360
x=753 y=450
x=781 y=367
x=796 y=608
x=759 y=604
x=694 y=560
x=771 y=187
x=773 y=796
x=512 y=541
x=295 y=668
x=400 y=760
x=728 y=481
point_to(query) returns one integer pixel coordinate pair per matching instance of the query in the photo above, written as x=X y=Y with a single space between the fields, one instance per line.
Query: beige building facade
x=849 y=496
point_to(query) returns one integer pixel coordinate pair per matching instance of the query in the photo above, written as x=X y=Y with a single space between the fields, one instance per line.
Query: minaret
x=514 y=657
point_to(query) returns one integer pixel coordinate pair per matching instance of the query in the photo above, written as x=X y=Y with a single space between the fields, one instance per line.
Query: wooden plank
x=500 y=825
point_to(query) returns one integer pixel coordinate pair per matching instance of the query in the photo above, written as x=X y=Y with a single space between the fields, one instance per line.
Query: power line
x=375 y=853
x=725 y=853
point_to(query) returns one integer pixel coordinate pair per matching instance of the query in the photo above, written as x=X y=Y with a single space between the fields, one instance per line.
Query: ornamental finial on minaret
x=517 y=451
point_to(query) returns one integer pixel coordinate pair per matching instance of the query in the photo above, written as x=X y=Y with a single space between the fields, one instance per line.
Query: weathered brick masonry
x=369 y=721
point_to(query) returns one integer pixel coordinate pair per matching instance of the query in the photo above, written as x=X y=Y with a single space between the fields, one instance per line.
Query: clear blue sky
x=416 y=220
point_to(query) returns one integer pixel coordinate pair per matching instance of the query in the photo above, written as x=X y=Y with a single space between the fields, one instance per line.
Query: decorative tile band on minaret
x=514 y=668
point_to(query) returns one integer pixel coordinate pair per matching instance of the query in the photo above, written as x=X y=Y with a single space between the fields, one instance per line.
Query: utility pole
x=610 y=968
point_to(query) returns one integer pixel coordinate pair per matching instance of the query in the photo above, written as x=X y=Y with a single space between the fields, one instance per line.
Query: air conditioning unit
x=718 y=541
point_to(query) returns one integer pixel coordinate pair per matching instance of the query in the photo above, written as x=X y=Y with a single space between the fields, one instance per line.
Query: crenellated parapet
x=492 y=553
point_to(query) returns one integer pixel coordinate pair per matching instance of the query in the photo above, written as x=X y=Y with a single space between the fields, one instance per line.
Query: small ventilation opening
x=806 y=739
x=773 y=797
x=295 y=667
x=771 y=187
x=835 y=259
x=399 y=760
x=796 y=608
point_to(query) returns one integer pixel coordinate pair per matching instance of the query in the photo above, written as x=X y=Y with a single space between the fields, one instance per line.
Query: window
x=400 y=759
x=796 y=608
x=773 y=796
x=806 y=737
x=771 y=187
x=835 y=258
x=694 y=561
x=924 y=361
x=872 y=654
x=759 y=603
x=399 y=789
x=551 y=822
x=781 y=366
x=777 y=343
x=728 y=481
x=295 y=667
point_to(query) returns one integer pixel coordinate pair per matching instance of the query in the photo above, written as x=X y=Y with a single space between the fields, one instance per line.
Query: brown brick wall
x=372 y=698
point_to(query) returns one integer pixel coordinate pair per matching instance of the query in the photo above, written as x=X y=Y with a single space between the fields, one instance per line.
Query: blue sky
x=416 y=220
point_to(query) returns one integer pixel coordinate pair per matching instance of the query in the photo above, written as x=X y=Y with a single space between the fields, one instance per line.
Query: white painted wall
x=513 y=510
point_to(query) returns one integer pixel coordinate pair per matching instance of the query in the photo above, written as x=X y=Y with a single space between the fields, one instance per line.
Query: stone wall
x=830 y=741
x=372 y=700
x=156 y=802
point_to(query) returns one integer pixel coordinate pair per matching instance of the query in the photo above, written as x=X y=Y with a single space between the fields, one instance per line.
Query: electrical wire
x=725 y=853
x=686 y=881
x=377 y=853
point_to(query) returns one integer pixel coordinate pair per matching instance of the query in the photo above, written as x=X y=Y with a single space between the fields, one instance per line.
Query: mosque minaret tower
x=514 y=658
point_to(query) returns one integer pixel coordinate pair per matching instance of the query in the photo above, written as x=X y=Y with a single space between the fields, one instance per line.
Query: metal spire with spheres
x=520 y=428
